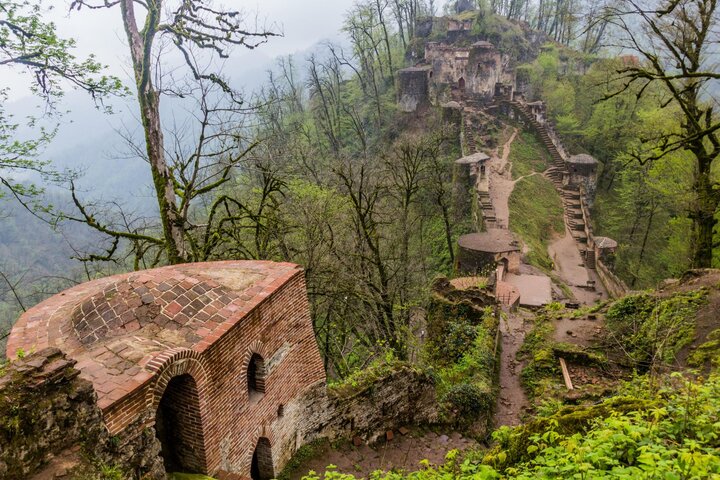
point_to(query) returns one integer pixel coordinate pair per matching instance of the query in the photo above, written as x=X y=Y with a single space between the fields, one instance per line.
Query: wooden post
x=566 y=374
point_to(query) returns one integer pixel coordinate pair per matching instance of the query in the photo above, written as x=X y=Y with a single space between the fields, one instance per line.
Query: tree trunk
x=704 y=214
x=149 y=100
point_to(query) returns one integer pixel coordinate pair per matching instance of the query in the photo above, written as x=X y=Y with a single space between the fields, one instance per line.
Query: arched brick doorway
x=262 y=465
x=461 y=84
x=178 y=426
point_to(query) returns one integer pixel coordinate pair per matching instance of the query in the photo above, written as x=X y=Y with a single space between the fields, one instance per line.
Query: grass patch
x=303 y=454
x=189 y=476
x=527 y=155
x=536 y=215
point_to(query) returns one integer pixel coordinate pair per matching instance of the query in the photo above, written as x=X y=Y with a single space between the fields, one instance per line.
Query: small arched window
x=256 y=377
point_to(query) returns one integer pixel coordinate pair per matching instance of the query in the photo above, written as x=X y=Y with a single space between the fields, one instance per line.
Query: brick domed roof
x=115 y=327
x=131 y=305
x=494 y=240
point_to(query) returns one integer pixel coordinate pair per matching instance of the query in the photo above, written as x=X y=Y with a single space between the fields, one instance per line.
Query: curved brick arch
x=173 y=365
x=257 y=347
x=259 y=433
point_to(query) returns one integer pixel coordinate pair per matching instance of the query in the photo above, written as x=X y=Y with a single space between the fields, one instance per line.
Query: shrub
x=467 y=402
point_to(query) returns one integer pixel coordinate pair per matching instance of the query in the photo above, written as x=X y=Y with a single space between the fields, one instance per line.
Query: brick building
x=209 y=354
x=481 y=253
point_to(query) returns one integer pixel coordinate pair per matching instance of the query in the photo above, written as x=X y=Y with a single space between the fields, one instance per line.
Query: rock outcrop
x=49 y=411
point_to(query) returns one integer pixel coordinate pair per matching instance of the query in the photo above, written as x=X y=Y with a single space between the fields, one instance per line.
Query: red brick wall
x=280 y=331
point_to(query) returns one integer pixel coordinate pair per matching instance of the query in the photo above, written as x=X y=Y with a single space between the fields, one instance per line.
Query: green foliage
x=671 y=434
x=454 y=468
x=708 y=353
x=652 y=328
x=536 y=215
x=527 y=155
x=458 y=339
x=460 y=347
x=467 y=402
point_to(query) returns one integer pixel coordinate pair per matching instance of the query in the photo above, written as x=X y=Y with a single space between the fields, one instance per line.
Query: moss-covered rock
x=512 y=443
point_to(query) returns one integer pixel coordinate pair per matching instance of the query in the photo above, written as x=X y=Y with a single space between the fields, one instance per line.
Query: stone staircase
x=473 y=144
x=557 y=173
x=488 y=211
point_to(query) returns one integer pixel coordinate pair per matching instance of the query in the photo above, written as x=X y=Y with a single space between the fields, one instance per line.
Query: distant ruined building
x=460 y=71
x=476 y=70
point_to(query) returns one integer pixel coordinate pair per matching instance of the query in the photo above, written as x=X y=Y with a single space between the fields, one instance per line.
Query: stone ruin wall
x=402 y=398
x=612 y=283
x=48 y=410
x=413 y=88
x=481 y=68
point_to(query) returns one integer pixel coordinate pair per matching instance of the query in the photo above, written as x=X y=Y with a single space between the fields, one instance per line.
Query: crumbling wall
x=612 y=283
x=413 y=88
x=46 y=409
x=402 y=396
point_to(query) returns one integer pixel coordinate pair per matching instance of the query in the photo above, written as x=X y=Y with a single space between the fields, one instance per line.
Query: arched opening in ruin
x=461 y=83
x=256 y=377
x=178 y=426
x=262 y=464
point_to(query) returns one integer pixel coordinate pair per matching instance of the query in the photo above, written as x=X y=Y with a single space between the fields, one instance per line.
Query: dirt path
x=501 y=183
x=403 y=452
x=571 y=269
x=511 y=401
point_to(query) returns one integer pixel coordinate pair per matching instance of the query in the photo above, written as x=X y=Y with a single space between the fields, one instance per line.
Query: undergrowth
x=461 y=351
x=651 y=432
x=653 y=329
x=536 y=215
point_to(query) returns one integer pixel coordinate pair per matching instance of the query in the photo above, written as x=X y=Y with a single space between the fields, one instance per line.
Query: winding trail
x=570 y=267
x=511 y=401
x=501 y=183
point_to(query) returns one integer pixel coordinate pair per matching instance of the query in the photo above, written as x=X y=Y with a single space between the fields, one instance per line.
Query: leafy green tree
x=674 y=39
x=29 y=45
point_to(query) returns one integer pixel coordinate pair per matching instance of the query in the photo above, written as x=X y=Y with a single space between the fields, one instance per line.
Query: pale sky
x=304 y=23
